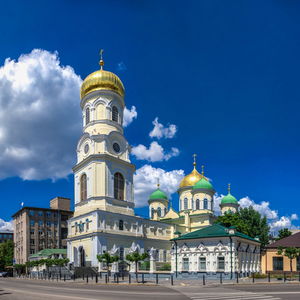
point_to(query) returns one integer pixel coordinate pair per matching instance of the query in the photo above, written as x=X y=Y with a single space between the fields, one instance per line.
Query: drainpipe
x=230 y=238
x=175 y=258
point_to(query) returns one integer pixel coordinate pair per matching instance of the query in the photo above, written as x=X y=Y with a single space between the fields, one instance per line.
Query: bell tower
x=103 y=175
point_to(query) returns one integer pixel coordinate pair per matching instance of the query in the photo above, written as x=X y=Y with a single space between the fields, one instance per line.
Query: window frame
x=119 y=186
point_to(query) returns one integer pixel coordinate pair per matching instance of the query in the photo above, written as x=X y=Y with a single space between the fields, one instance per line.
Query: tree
x=282 y=233
x=289 y=252
x=107 y=259
x=6 y=254
x=136 y=257
x=248 y=221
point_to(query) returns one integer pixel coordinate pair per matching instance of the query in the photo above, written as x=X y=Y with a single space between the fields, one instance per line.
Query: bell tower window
x=87 y=116
x=83 y=187
x=185 y=203
x=115 y=114
x=197 y=204
x=205 y=203
x=119 y=186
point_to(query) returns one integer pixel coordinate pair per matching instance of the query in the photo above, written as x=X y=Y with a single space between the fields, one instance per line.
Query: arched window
x=83 y=188
x=197 y=204
x=87 y=116
x=185 y=203
x=152 y=213
x=166 y=210
x=115 y=114
x=121 y=225
x=159 y=212
x=205 y=204
x=119 y=186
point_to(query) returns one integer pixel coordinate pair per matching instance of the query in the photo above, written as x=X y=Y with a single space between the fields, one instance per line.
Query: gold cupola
x=102 y=80
x=192 y=178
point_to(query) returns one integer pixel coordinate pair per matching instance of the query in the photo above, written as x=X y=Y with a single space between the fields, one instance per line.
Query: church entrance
x=81 y=257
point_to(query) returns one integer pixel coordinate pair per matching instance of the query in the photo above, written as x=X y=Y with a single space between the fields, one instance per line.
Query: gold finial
x=229 y=187
x=158 y=184
x=101 y=63
x=194 y=163
x=202 y=170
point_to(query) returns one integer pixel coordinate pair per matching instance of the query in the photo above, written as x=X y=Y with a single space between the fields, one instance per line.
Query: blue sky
x=226 y=73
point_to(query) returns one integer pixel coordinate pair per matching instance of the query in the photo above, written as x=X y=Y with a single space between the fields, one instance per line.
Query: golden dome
x=102 y=80
x=193 y=177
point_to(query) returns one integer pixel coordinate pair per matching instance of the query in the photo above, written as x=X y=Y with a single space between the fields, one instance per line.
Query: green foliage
x=6 y=254
x=136 y=257
x=145 y=265
x=289 y=252
x=248 y=221
x=107 y=259
x=49 y=262
x=165 y=267
x=282 y=233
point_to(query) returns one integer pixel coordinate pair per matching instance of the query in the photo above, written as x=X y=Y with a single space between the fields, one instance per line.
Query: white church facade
x=104 y=218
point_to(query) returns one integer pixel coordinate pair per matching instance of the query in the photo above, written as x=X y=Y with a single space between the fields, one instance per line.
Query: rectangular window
x=32 y=242
x=298 y=263
x=277 y=263
x=185 y=264
x=41 y=223
x=31 y=231
x=31 y=213
x=202 y=263
x=221 y=263
x=48 y=214
x=40 y=213
x=48 y=223
x=31 y=222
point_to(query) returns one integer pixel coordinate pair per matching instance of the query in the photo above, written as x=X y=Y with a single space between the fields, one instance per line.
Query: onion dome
x=192 y=178
x=158 y=194
x=102 y=80
x=203 y=184
x=229 y=199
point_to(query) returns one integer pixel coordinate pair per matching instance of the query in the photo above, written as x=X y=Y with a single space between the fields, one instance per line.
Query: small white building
x=215 y=249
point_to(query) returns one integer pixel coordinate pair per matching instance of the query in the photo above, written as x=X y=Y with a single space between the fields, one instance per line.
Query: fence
x=166 y=278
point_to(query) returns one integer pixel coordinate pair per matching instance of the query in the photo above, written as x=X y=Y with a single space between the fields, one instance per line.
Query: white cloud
x=145 y=180
x=154 y=153
x=275 y=222
x=40 y=118
x=5 y=225
x=160 y=131
x=263 y=208
x=129 y=115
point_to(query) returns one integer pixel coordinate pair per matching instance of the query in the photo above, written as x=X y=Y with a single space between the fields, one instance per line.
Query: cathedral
x=104 y=218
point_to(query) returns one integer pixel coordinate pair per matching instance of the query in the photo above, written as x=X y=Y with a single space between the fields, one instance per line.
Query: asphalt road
x=19 y=289
x=282 y=291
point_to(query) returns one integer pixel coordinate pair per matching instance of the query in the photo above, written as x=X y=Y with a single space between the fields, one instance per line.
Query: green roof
x=49 y=252
x=203 y=184
x=212 y=231
x=229 y=199
x=158 y=194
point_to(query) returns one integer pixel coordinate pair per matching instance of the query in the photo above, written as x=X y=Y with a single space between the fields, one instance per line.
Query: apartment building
x=38 y=228
x=6 y=235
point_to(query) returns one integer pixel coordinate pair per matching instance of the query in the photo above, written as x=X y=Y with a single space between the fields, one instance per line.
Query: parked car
x=3 y=274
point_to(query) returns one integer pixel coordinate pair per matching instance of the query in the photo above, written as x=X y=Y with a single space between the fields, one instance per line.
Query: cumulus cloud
x=129 y=115
x=160 y=131
x=154 y=153
x=263 y=208
x=40 y=119
x=5 y=225
x=274 y=220
x=145 y=180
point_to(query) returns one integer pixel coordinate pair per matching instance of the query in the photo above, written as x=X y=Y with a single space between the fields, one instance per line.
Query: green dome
x=158 y=194
x=203 y=184
x=229 y=199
